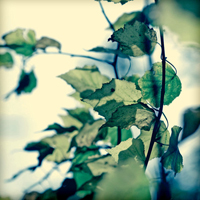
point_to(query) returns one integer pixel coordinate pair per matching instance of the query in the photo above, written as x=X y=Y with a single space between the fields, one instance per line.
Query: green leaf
x=162 y=140
x=101 y=164
x=85 y=80
x=127 y=182
x=49 y=194
x=151 y=84
x=129 y=18
x=120 y=147
x=27 y=82
x=138 y=115
x=22 y=41
x=191 y=121
x=111 y=135
x=107 y=50
x=76 y=96
x=134 y=79
x=45 y=42
x=112 y=95
x=136 y=39
x=88 y=133
x=172 y=159
x=59 y=129
x=81 y=177
x=135 y=151
x=117 y=1
x=6 y=60
x=82 y=114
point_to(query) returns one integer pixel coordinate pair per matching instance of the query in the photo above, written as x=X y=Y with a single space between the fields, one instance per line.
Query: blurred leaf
x=31 y=196
x=45 y=42
x=117 y=1
x=112 y=95
x=151 y=84
x=81 y=177
x=162 y=140
x=120 y=147
x=22 y=41
x=101 y=164
x=129 y=18
x=27 y=82
x=191 y=121
x=136 y=39
x=82 y=114
x=6 y=60
x=49 y=194
x=5 y=198
x=181 y=17
x=135 y=151
x=107 y=50
x=85 y=80
x=128 y=182
x=91 y=184
x=88 y=133
x=59 y=129
x=138 y=115
x=172 y=159
x=68 y=120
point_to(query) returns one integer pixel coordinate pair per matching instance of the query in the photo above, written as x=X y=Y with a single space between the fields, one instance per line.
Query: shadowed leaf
x=136 y=39
x=172 y=159
x=45 y=42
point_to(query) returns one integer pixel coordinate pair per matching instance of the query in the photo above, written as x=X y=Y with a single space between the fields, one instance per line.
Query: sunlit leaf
x=101 y=164
x=128 y=18
x=126 y=116
x=6 y=60
x=117 y=1
x=82 y=114
x=107 y=50
x=136 y=39
x=45 y=42
x=112 y=95
x=22 y=41
x=68 y=120
x=162 y=140
x=172 y=159
x=151 y=84
x=88 y=133
x=127 y=182
x=85 y=80
x=191 y=121
x=76 y=96
x=59 y=129
x=135 y=151
x=120 y=147
x=27 y=82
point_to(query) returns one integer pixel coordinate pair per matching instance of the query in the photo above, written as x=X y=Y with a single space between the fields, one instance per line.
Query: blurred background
x=78 y=26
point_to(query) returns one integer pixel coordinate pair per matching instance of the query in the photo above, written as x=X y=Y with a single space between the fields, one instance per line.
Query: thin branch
x=157 y=123
x=110 y=24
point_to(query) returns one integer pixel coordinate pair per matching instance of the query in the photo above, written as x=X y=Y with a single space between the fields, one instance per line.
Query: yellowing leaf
x=88 y=133
x=126 y=116
x=112 y=95
x=45 y=42
x=6 y=60
x=151 y=83
x=161 y=143
x=117 y=1
x=136 y=39
x=172 y=159
x=85 y=80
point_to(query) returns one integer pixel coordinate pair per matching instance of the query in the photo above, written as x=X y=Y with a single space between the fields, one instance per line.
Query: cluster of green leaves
x=120 y=103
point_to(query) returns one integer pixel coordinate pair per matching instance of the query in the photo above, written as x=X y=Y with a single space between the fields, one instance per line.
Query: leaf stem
x=157 y=123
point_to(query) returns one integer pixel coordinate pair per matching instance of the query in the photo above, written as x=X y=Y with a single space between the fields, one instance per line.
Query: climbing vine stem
x=157 y=123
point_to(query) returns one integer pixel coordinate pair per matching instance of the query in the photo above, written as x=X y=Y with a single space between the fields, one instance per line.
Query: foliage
x=120 y=103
